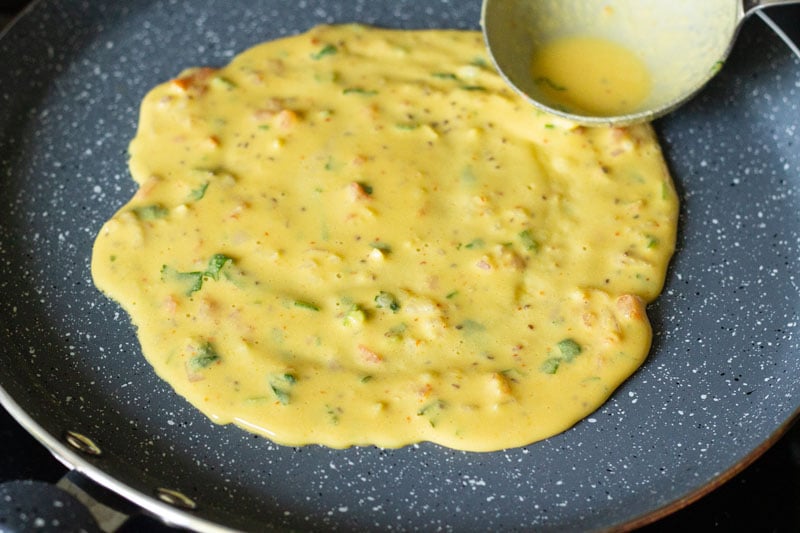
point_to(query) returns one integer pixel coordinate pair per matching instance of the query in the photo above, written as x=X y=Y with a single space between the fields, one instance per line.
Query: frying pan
x=721 y=383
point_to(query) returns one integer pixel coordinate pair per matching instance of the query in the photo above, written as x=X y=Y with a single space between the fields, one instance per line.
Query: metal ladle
x=683 y=43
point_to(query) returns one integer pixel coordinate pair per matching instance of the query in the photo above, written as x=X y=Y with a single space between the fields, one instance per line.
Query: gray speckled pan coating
x=723 y=377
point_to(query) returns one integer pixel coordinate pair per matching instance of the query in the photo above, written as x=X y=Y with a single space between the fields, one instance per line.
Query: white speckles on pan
x=721 y=380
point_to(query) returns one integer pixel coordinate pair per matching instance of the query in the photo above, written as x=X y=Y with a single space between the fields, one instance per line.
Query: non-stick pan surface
x=722 y=380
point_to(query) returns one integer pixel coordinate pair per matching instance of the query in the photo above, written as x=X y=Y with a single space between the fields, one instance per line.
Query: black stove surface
x=763 y=497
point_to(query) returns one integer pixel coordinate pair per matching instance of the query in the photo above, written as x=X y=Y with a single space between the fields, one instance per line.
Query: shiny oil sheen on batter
x=359 y=236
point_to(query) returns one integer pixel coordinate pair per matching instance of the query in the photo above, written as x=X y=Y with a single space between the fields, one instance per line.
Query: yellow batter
x=590 y=75
x=359 y=236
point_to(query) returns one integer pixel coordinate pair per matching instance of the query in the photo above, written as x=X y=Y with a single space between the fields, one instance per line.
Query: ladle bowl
x=683 y=44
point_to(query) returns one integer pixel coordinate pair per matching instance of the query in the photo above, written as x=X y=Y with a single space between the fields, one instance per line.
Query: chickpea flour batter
x=358 y=236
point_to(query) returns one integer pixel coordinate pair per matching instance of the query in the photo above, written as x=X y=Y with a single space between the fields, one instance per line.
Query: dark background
x=765 y=497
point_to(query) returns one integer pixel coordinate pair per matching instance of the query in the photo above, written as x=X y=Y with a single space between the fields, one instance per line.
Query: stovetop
x=764 y=497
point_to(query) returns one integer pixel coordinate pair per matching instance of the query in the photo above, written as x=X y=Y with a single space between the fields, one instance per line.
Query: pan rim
x=73 y=461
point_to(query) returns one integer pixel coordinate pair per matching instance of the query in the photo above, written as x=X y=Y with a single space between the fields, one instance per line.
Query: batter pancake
x=361 y=236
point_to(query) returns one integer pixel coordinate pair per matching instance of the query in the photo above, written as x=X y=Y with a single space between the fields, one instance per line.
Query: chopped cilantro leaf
x=280 y=384
x=281 y=394
x=528 y=241
x=216 y=264
x=206 y=356
x=306 y=305
x=385 y=300
x=194 y=280
x=431 y=411
x=359 y=90
x=150 y=212
x=550 y=366
x=569 y=349
x=326 y=50
x=382 y=246
x=198 y=193
x=476 y=243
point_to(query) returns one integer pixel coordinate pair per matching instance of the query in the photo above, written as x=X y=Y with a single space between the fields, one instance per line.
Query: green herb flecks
x=569 y=349
x=385 y=300
x=367 y=188
x=432 y=411
x=150 y=212
x=544 y=80
x=382 y=246
x=513 y=374
x=474 y=244
x=528 y=242
x=452 y=294
x=479 y=62
x=478 y=88
x=395 y=333
x=216 y=264
x=256 y=400
x=333 y=413
x=306 y=305
x=327 y=50
x=281 y=394
x=205 y=357
x=444 y=75
x=194 y=280
x=281 y=385
x=225 y=82
x=666 y=191
x=198 y=193
x=326 y=77
x=550 y=366
x=359 y=90
x=468 y=176
x=470 y=326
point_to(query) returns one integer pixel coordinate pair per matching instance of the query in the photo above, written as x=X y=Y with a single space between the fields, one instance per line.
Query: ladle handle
x=752 y=5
